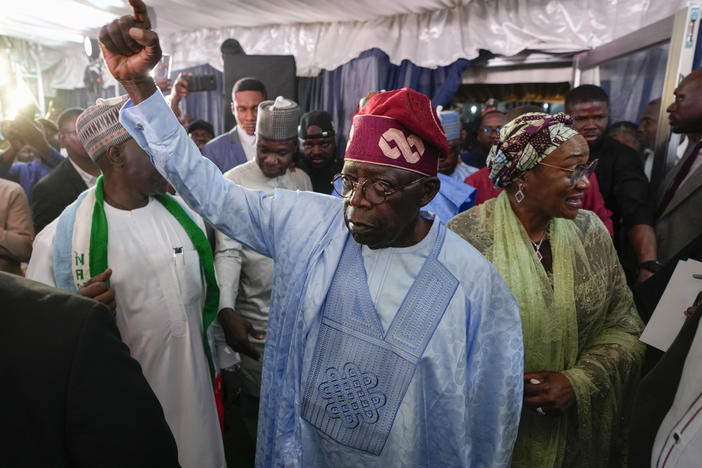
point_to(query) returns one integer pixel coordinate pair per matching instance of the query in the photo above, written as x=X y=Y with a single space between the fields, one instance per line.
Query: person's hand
x=231 y=386
x=181 y=85
x=9 y=129
x=237 y=331
x=96 y=288
x=129 y=46
x=690 y=311
x=23 y=130
x=180 y=91
x=553 y=394
x=164 y=84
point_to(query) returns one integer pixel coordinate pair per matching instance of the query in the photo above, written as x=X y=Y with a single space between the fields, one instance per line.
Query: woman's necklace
x=537 y=245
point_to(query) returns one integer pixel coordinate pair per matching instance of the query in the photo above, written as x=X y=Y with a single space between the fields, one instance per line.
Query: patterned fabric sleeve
x=610 y=357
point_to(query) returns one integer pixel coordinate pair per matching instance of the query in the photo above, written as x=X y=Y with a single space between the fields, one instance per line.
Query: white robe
x=159 y=295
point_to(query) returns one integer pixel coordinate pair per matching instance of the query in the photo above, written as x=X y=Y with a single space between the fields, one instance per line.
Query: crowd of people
x=205 y=300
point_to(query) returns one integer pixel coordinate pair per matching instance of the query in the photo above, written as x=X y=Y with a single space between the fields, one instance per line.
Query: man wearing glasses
x=487 y=134
x=390 y=342
x=622 y=182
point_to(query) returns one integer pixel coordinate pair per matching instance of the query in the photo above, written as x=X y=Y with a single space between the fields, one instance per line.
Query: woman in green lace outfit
x=580 y=325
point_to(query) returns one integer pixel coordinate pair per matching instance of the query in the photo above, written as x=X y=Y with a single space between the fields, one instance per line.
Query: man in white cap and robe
x=151 y=249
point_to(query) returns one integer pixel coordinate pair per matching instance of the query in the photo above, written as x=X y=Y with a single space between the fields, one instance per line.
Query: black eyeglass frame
x=578 y=172
x=355 y=183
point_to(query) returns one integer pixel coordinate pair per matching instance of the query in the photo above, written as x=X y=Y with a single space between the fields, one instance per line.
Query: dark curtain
x=309 y=93
x=338 y=91
x=81 y=97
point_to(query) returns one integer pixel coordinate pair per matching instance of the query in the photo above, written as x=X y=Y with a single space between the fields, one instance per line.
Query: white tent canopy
x=324 y=34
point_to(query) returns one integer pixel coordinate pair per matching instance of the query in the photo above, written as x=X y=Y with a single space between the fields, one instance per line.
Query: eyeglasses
x=577 y=173
x=489 y=130
x=374 y=190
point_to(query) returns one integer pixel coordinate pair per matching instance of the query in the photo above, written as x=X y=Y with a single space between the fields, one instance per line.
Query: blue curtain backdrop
x=336 y=91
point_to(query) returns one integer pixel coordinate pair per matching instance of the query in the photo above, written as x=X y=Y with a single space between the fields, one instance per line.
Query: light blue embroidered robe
x=462 y=404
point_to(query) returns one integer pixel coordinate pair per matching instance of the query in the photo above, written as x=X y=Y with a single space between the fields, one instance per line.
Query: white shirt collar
x=89 y=179
x=248 y=142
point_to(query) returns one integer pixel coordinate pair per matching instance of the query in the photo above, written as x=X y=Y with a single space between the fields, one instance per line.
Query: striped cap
x=98 y=126
x=277 y=120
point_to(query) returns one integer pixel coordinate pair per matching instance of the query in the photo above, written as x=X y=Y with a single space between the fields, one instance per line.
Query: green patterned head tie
x=524 y=143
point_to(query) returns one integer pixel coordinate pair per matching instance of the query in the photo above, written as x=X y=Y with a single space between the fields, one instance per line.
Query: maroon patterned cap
x=398 y=128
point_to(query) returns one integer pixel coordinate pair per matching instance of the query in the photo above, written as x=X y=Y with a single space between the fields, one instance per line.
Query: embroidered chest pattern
x=353 y=395
x=359 y=375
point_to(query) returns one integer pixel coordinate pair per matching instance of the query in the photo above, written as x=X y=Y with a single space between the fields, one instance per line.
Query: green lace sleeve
x=610 y=356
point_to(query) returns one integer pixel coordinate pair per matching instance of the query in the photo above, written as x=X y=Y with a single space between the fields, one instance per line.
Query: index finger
x=100 y=278
x=141 y=16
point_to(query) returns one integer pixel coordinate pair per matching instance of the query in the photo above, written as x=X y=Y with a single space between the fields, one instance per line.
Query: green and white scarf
x=89 y=249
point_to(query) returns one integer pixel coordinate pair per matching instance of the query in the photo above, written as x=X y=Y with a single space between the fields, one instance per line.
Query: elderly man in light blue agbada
x=390 y=342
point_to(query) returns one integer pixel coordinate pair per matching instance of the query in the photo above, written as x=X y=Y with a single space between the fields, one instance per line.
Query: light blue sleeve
x=240 y=213
x=496 y=365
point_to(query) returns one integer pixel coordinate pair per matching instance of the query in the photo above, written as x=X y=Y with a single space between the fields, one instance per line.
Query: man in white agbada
x=159 y=261
x=390 y=341
x=245 y=277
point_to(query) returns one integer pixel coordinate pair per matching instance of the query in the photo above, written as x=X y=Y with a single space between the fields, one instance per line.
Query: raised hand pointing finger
x=141 y=16
x=129 y=46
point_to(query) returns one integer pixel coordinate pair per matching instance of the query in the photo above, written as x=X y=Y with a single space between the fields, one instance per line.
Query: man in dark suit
x=71 y=394
x=680 y=198
x=238 y=145
x=62 y=185
x=622 y=181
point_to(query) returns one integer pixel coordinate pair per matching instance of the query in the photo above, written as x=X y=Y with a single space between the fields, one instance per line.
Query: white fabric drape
x=323 y=35
x=62 y=68
x=432 y=38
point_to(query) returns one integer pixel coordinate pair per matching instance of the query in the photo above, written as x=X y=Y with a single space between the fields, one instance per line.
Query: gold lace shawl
x=581 y=320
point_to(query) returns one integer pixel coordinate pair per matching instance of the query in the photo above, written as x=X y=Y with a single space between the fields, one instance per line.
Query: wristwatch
x=651 y=265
